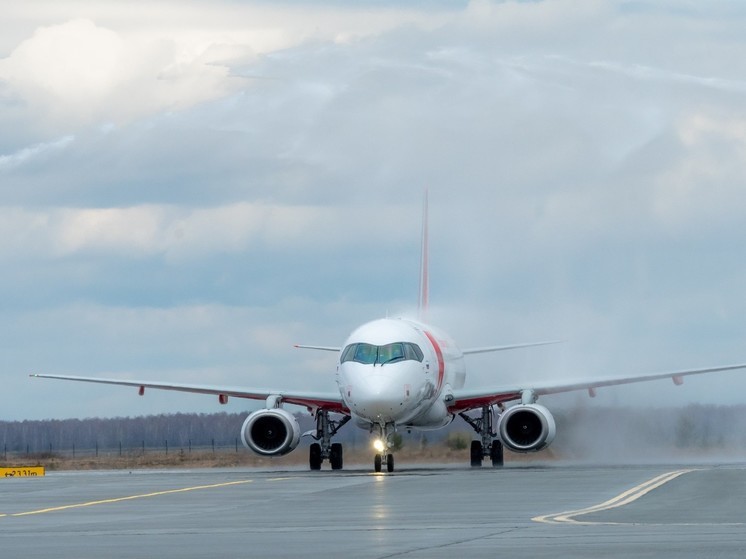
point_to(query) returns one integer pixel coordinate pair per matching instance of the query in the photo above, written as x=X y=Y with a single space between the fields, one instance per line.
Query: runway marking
x=129 y=498
x=629 y=496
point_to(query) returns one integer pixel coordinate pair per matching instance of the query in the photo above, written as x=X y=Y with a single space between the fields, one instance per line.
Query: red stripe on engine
x=439 y=356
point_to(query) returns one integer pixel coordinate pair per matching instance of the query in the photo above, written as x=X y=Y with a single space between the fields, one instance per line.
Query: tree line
x=176 y=430
x=579 y=430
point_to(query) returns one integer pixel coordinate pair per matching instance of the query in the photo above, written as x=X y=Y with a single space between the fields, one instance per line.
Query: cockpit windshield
x=369 y=354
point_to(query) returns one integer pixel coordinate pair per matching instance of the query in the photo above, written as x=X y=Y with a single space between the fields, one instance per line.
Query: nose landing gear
x=378 y=461
x=383 y=445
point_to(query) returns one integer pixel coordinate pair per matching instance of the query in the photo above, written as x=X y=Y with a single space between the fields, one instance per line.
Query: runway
x=417 y=512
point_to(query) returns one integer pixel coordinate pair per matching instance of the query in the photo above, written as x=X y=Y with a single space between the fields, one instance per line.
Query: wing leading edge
x=469 y=399
x=313 y=400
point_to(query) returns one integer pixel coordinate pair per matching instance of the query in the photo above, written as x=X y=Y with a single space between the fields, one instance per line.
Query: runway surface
x=417 y=512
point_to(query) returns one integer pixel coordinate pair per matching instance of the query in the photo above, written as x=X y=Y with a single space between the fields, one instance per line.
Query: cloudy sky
x=189 y=188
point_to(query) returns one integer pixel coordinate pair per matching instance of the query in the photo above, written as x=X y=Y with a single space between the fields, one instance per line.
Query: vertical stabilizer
x=423 y=303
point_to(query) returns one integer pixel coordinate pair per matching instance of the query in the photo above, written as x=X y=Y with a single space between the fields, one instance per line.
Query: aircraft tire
x=314 y=456
x=496 y=454
x=390 y=463
x=377 y=463
x=476 y=454
x=336 y=456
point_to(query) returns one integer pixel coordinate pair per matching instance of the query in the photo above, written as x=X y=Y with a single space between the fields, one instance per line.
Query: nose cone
x=379 y=398
x=387 y=393
x=380 y=394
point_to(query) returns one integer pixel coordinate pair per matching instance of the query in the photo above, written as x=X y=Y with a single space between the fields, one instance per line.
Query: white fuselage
x=398 y=371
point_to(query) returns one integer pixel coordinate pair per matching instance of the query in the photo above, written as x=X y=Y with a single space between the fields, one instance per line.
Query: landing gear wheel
x=377 y=463
x=314 y=456
x=496 y=454
x=335 y=456
x=390 y=463
x=476 y=454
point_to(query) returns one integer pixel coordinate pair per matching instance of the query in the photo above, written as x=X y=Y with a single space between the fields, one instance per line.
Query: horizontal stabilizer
x=318 y=347
x=474 y=350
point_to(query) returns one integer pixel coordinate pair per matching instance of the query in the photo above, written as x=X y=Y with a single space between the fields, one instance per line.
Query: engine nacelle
x=526 y=428
x=272 y=432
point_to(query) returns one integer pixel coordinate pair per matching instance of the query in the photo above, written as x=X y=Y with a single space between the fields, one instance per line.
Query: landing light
x=378 y=445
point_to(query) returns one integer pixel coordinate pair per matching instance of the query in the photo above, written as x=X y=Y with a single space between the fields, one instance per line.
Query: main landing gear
x=382 y=446
x=488 y=445
x=326 y=428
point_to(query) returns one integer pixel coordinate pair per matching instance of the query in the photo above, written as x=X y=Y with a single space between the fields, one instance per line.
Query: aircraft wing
x=331 y=402
x=469 y=399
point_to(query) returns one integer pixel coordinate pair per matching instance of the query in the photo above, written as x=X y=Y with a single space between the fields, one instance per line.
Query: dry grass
x=227 y=459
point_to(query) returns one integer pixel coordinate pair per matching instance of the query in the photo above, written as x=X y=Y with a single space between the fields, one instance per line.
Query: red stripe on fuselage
x=439 y=356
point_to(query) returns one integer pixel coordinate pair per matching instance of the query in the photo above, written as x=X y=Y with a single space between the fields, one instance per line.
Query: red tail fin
x=424 y=301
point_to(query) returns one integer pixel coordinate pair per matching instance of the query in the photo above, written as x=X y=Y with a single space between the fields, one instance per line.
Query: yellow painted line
x=279 y=478
x=620 y=500
x=130 y=498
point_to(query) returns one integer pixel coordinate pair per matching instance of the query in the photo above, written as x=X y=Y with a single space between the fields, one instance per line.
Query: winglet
x=424 y=301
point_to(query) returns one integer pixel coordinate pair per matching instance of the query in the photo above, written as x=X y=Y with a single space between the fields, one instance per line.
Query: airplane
x=400 y=373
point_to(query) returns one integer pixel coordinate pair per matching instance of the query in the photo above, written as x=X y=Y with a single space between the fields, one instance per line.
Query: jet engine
x=526 y=428
x=271 y=432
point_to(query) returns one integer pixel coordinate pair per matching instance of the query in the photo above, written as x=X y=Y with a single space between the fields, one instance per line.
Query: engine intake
x=526 y=428
x=272 y=432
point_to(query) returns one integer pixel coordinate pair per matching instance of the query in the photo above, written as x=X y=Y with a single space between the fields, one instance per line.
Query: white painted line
x=629 y=496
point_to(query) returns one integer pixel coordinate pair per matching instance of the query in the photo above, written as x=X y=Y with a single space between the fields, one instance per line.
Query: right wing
x=312 y=400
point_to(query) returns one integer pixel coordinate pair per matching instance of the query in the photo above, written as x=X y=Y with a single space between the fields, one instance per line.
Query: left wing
x=468 y=399
x=331 y=402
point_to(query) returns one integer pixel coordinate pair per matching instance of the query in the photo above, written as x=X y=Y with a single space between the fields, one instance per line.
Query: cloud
x=183 y=234
x=28 y=154
x=702 y=189
x=104 y=67
x=263 y=165
x=80 y=73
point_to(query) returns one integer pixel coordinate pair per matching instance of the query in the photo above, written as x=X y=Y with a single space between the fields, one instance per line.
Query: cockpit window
x=413 y=351
x=365 y=353
x=391 y=352
x=369 y=354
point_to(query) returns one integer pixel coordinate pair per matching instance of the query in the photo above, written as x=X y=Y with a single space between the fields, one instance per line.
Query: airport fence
x=122 y=449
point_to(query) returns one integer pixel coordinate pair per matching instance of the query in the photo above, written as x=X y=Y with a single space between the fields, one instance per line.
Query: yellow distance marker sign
x=22 y=471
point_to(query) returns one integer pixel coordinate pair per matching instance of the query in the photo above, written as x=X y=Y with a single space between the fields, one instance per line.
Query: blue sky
x=187 y=189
